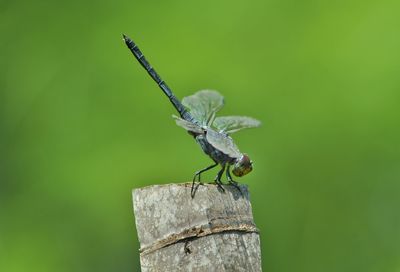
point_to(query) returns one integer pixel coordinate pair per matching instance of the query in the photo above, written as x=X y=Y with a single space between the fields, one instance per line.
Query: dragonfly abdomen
x=156 y=77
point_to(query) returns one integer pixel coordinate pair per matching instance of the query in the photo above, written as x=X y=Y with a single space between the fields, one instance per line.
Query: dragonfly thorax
x=242 y=166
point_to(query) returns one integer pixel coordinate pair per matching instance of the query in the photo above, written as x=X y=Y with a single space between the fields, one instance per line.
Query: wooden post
x=214 y=231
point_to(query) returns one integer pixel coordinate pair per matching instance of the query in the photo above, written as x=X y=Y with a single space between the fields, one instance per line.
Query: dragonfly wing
x=203 y=105
x=189 y=126
x=231 y=124
x=223 y=143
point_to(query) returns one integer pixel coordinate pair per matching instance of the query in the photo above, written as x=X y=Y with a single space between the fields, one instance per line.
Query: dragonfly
x=198 y=117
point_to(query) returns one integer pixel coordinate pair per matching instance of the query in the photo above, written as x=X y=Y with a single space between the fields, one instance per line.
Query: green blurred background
x=81 y=124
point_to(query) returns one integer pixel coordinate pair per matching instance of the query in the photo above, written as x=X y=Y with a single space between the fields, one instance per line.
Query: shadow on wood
x=214 y=231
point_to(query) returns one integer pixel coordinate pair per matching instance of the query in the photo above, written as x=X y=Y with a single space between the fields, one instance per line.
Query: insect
x=198 y=116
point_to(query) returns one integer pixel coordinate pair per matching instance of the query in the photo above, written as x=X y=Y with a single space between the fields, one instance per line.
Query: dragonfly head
x=242 y=166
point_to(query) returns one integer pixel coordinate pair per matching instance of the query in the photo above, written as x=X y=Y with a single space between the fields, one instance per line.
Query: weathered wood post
x=214 y=231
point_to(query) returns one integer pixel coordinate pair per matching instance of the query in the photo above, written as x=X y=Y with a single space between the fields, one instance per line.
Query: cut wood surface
x=214 y=231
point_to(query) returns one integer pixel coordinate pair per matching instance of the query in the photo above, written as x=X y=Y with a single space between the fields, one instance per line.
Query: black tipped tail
x=125 y=38
x=153 y=74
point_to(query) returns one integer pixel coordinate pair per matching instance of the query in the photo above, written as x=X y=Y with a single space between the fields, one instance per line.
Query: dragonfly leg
x=218 y=179
x=231 y=181
x=197 y=174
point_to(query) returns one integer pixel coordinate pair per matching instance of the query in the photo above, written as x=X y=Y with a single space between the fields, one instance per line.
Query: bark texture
x=214 y=231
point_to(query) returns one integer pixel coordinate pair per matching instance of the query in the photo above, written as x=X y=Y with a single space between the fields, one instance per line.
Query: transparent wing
x=187 y=125
x=231 y=124
x=223 y=143
x=203 y=105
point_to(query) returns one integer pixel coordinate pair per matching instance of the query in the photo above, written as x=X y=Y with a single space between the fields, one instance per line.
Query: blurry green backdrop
x=81 y=124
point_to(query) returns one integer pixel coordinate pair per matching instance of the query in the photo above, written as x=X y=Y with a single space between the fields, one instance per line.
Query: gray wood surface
x=215 y=231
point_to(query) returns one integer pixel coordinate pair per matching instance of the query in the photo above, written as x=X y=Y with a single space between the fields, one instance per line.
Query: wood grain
x=214 y=231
